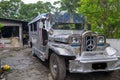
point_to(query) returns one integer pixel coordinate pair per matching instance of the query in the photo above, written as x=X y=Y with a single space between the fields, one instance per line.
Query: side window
x=31 y=27
x=35 y=26
x=38 y=24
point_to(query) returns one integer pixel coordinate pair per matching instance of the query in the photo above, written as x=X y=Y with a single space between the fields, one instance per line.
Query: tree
x=16 y=9
x=1 y=26
x=10 y=9
x=56 y=7
x=103 y=15
x=68 y=5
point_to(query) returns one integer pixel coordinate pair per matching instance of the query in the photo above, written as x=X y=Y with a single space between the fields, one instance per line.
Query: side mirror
x=50 y=31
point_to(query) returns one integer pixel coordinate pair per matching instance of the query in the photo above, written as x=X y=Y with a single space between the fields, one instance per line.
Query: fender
x=62 y=51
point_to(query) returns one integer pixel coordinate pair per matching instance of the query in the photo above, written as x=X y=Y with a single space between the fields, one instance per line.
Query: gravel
x=27 y=67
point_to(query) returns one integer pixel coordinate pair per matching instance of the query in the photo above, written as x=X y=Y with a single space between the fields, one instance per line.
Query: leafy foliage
x=69 y=5
x=16 y=9
x=1 y=26
x=10 y=9
x=103 y=15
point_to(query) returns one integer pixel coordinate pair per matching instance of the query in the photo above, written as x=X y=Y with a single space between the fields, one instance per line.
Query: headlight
x=74 y=39
x=101 y=40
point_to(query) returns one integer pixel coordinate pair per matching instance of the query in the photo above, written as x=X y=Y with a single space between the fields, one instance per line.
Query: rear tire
x=57 y=67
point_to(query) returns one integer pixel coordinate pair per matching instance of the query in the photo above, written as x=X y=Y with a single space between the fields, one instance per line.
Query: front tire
x=57 y=67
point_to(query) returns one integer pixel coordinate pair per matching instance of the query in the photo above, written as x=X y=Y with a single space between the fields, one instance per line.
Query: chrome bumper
x=82 y=65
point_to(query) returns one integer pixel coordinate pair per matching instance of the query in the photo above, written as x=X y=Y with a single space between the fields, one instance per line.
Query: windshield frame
x=68 y=26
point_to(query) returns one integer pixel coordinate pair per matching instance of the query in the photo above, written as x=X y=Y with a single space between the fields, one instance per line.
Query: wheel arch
x=57 y=52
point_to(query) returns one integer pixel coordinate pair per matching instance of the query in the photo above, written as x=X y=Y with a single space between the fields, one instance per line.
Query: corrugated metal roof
x=13 y=20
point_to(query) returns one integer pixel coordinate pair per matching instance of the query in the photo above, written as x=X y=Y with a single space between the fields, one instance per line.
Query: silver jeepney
x=73 y=49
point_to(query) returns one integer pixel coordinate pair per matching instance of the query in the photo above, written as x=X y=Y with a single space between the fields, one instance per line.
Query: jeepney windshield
x=68 y=26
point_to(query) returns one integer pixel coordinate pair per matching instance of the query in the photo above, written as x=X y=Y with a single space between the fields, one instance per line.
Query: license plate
x=97 y=66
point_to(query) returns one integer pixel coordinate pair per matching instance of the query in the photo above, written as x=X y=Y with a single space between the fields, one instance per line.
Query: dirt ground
x=27 y=67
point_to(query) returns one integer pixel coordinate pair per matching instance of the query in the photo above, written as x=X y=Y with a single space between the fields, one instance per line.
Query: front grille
x=90 y=43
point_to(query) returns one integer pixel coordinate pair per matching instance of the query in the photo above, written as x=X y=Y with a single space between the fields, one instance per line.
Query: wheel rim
x=54 y=66
x=57 y=67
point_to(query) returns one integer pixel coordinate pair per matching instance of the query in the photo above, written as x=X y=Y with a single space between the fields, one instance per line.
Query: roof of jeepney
x=60 y=18
x=69 y=18
x=38 y=18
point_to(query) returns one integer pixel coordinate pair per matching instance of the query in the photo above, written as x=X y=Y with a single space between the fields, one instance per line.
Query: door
x=43 y=39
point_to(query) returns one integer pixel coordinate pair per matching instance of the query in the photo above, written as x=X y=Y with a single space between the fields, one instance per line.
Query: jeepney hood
x=65 y=35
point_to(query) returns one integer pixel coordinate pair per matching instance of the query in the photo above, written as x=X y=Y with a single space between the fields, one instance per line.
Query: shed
x=13 y=33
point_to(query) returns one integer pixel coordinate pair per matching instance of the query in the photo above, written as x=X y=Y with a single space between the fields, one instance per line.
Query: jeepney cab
x=63 y=40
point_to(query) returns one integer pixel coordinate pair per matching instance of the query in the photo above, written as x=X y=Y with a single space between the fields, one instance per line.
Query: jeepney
x=64 y=41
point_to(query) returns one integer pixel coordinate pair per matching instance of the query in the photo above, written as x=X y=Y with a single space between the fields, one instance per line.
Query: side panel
x=41 y=45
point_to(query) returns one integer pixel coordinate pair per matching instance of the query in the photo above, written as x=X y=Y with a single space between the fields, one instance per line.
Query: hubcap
x=55 y=67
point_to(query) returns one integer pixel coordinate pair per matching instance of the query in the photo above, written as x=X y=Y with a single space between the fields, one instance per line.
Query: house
x=14 y=33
